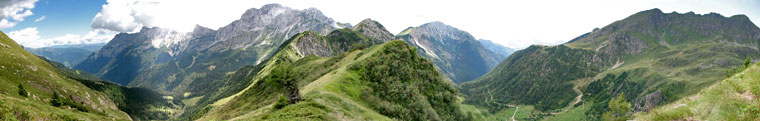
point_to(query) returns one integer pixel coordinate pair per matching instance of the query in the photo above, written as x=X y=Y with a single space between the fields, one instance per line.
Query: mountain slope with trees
x=652 y=57
x=33 y=89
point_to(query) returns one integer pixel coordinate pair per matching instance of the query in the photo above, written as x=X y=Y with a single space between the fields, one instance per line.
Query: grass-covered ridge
x=343 y=87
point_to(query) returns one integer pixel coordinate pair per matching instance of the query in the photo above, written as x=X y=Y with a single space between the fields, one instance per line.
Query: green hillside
x=732 y=99
x=653 y=58
x=34 y=90
x=345 y=86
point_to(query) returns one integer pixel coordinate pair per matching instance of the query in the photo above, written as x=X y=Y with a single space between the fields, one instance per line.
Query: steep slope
x=455 y=52
x=732 y=99
x=196 y=63
x=68 y=56
x=126 y=54
x=32 y=89
x=139 y=103
x=496 y=48
x=651 y=57
x=343 y=87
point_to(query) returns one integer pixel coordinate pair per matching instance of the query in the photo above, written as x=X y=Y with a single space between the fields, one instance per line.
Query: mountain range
x=652 y=57
x=279 y=63
x=68 y=55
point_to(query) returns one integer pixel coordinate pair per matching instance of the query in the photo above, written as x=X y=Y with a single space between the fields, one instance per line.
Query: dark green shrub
x=22 y=91
x=56 y=100
x=282 y=102
x=747 y=62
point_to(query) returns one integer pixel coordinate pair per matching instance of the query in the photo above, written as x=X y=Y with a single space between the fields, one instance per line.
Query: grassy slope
x=331 y=92
x=139 y=103
x=40 y=80
x=286 y=56
x=732 y=99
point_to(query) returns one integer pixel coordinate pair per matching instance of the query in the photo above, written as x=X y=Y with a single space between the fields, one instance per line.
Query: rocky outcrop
x=310 y=43
x=374 y=29
x=649 y=101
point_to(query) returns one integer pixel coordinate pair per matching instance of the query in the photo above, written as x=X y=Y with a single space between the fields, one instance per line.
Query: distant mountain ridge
x=68 y=55
x=497 y=48
x=455 y=52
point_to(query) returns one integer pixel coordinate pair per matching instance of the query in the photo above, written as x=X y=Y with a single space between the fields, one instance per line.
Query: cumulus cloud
x=14 y=11
x=180 y=15
x=29 y=37
x=39 y=19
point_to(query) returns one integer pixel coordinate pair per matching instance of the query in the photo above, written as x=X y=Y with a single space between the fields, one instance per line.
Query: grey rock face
x=310 y=43
x=374 y=29
x=200 y=31
x=649 y=101
x=273 y=23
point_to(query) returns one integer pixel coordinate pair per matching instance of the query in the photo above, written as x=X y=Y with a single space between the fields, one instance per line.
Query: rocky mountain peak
x=440 y=31
x=272 y=23
x=200 y=30
x=436 y=25
x=268 y=9
x=457 y=53
x=373 y=29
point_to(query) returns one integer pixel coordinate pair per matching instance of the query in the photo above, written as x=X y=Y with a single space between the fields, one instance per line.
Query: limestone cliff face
x=272 y=23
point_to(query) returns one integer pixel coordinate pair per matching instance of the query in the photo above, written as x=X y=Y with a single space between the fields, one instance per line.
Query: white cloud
x=4 y=23
x=14 y=11
x=513 y=23
x=180 y=15
x=30 y=37
x=39 y=19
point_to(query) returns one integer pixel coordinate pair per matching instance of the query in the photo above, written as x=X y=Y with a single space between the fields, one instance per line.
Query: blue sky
x=61 y=17
x=513 y=23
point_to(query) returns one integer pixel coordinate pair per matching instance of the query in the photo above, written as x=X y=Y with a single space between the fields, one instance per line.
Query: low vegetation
x=732 y=99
